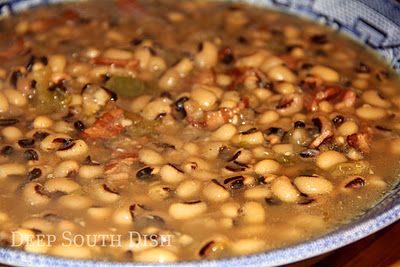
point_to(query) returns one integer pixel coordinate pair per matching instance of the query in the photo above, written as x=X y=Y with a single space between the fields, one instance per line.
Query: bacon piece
x=124 y=63
x=326 y=131
x=359 y=141
x=14 y=50
x=107 y=126
x=341 y=97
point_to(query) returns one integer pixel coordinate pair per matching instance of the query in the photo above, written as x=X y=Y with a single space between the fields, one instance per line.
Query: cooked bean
x=253 y=212
x=207 y=57
x=257 y=193
x=215 y=192
x=348 y=128
x=281 y=73
x=9 y=169
x=268 y=117
x=265 y=166
x=206 y=98
x=11 y=133
x=78 y=150
x=159 y=255
x=247 y=246
x=370 y=113
x=15 y=97
x=310 y=185
x=33 y=195
x=224 y=133
x=329 y=159
x=42 y=122
x=188 y=189
x=66 y=168
x=99 y=213
x=104 y=193
x=170 y=174
x=230 y=209
x=187 y=210
x=284 y=189
x=91 y=171
x=373 y=97
x=326 y=73
x=150 y=157
x=64 y=185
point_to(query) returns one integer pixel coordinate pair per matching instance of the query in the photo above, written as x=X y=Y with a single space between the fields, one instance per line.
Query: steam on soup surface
x=186 y=130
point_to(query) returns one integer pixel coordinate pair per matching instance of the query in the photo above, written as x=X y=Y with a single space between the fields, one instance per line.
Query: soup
x=185 y=130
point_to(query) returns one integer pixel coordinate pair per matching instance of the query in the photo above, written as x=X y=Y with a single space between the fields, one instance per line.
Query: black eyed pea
x=348 y=128
x=11 y=133
x=122 y=216
x=257 y=193
x=205 y=97
x=281 y=73
x=367 y=112
x=8 y=169
x=187 y=210
x=72 y=251
x=78 y=150
x=42 y=122
x=230 y=209
x=247 y=246
x=15 y=98
x=215 y=192
x=4 y=105
x=91 y=171
x=150 y=157
x=267 y=166
x=253 y=60
x=284 y=149
x=104 y=193
x=99 y=213
x=373 y=98
x=159 y=192
x=33 y=194
x=211 y=150
x=311 y=185
x=268 y=117
x=39 y=224
x=61 y=184
x=169 y=80
x=49 y=143
x=159 y=255
x=157 y=107
x=207 y=57
x=188 y=189
x=75 y=202
x=65 y=168
x=329 y=159
x=250 y=139
x=253 y=212
x=170 y=174
x=283 y=189
x=224 y=133
x=325 y=73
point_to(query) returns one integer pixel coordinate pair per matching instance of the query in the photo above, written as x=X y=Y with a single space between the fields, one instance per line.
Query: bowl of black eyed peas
x=196 y=133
